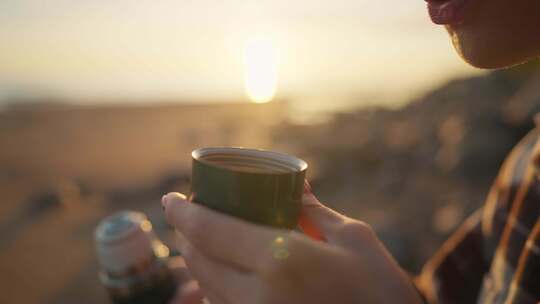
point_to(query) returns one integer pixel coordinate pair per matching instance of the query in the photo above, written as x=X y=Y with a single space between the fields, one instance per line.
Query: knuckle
x=195 y=228
x=356 y=229
x=274 y=268
x=187 y=254
x=179 y=242
x=277 y=264
x=195 y=265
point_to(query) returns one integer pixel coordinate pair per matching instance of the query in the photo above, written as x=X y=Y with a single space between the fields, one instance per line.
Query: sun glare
x=260 y=69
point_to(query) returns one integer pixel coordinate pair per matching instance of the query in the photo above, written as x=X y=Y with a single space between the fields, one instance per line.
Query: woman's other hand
x=188 y=291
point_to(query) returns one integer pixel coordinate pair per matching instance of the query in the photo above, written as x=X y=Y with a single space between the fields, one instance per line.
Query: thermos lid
x=125 y=239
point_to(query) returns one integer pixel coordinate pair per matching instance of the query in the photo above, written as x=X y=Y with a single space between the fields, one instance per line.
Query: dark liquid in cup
x=249 y=164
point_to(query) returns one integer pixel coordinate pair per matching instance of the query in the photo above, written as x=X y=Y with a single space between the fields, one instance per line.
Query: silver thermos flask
x=133 y=261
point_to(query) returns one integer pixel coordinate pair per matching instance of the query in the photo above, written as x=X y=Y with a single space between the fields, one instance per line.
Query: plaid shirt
x=495 y=256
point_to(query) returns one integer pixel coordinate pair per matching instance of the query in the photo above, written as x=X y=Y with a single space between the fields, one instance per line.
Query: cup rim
x=294 y=161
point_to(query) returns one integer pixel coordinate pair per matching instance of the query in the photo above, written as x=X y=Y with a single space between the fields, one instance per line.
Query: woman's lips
x=447 y=11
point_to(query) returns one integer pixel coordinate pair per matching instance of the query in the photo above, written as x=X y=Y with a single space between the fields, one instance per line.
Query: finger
x=190 y=293
x=223 y=283
x=305 y=223
x=316 y=219
x=211 y=298
x=178 y=266
x=222 y=237
x=336 y=228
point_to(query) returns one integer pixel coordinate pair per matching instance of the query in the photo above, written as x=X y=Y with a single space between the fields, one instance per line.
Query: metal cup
x=259 y=186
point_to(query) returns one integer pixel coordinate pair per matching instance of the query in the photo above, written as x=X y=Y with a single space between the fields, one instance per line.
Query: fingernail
x=167 y=198
x=163 y=201
x=178 y=195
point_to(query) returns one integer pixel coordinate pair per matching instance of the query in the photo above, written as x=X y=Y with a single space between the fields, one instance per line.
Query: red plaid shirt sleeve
x=494 y=257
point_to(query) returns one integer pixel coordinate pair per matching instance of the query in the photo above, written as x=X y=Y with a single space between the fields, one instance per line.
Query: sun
x=260 y=69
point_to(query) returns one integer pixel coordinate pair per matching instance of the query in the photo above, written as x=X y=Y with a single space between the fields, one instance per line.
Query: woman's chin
x=491 y=51
x=487 y=59
x=497 y=33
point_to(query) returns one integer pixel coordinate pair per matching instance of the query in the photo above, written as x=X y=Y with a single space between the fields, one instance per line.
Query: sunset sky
x=331 y=52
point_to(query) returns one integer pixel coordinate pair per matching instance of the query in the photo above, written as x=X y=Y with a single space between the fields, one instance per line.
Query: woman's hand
x=188 y=291
x=236 y=262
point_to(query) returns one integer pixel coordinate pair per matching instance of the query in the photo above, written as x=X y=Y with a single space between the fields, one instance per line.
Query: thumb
x=316 y=220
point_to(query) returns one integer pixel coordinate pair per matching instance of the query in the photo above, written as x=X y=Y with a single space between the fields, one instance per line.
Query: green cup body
x=266 y=198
